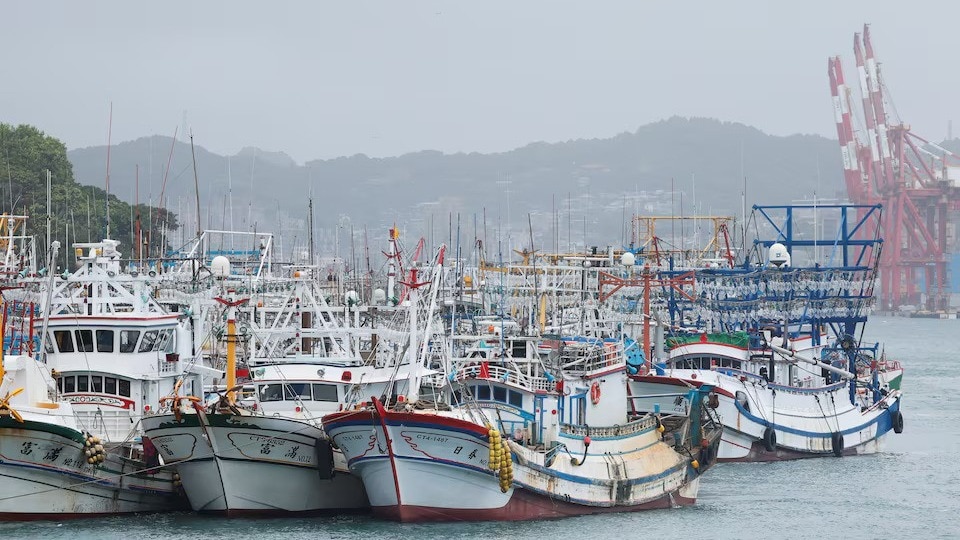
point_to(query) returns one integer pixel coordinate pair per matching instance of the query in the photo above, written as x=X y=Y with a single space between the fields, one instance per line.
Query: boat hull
x=45 y=476
x=804 y=420
x=432 y=467
x=253 y=465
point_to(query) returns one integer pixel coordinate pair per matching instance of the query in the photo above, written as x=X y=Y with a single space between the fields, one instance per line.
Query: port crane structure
x=913 y=178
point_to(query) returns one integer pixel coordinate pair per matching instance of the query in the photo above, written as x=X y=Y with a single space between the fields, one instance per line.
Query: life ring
x=896 y=418
x=836 y=442
x=770 y=439
x=595 y=393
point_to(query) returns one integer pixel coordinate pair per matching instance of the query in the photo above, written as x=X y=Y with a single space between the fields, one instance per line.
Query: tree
x=78 y=213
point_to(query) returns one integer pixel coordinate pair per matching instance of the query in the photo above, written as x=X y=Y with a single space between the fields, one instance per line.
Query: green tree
x=78 y=213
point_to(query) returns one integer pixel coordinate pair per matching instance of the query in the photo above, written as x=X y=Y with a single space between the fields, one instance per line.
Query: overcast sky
x=322 y=79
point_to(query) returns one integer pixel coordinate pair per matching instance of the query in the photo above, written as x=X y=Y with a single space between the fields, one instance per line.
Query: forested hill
x=599 y=180
x=78 y=212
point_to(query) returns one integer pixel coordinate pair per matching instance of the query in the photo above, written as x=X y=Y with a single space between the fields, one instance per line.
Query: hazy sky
x=323 y=79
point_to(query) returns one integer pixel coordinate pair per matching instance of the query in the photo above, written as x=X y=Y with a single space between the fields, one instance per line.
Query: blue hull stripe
x=538 y=468
x=884 y=421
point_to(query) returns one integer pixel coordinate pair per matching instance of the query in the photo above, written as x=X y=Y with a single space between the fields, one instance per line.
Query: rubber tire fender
x=769 y=439
x=836 y=442
x=896 y=418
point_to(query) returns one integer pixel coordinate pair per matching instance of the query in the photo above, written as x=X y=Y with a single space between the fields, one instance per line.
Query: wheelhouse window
x=83 y=383
x=110 y=385
x=499 y=394
x=96 y=383
x=104 y=340
x=64 y=341
x=296 y=391
x=123 y=387
x=149 y=339
x=483 y=393
x=271 y=392
x=162 y=340
x=69 y=384
x=325 y=392
x=516 y=399
x=84 y=340
x=128 y=340
x=170 y=341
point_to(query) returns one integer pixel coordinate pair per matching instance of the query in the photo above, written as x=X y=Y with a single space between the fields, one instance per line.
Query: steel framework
x=885 y=163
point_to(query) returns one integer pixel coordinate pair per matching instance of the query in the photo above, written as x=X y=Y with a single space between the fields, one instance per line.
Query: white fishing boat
x=772 y=407
x=784 y=357
x=303 y=366
x=518 y=445
x=72 y=448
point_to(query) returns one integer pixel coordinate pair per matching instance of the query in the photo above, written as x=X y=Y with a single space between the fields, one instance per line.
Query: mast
x=137 y=233
x=49 y=218
x=310 y=232
x=107 y=198
x=196 y=184
x=391 y=265
x=161 y=200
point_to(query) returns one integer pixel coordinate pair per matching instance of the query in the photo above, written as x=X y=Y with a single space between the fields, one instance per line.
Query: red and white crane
x=914 y=180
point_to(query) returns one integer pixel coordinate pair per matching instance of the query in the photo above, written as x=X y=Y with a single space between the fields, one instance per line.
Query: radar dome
x=351 y=297
x=379 y=296
x=628 y=259
x=220 y=266
x=778 y=255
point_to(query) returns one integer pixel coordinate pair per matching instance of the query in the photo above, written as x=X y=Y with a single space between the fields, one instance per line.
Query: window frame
x=112 y=342
x=81 y=344
x=136 y=341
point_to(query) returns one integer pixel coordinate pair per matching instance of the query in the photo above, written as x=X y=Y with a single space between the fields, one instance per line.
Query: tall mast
x=107 y=199
x=137 y=235
x=196 y=184
x=310 y=232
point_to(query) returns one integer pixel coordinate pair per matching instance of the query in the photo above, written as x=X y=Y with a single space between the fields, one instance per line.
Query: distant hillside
x=600 y=180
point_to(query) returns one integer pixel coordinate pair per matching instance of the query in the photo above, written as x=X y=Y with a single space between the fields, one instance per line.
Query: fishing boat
x=70 y=441
x=779 y=342
x=302 y=366
x=510 y=444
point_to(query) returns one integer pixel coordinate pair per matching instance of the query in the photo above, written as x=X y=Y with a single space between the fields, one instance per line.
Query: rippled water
x=911 y=490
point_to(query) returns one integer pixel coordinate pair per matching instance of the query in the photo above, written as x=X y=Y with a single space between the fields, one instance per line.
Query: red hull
x=523 y=506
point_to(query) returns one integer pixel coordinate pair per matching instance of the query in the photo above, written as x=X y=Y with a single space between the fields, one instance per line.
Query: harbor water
x=910 y=490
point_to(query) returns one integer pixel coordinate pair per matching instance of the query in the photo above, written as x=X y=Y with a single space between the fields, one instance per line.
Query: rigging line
x=825 y=421
x=836 y=415
x=756 y=399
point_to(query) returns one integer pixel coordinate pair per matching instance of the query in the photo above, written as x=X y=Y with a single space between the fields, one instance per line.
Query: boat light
x=347 y=376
